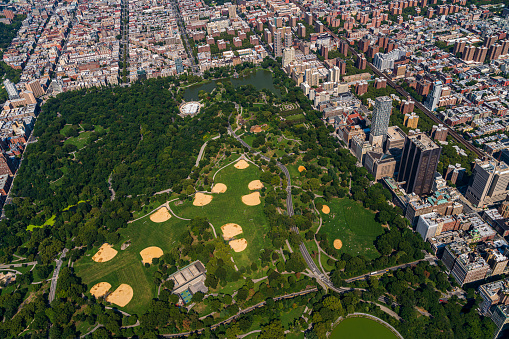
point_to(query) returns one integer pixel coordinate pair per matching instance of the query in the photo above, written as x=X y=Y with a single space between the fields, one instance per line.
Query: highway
x=404 y=93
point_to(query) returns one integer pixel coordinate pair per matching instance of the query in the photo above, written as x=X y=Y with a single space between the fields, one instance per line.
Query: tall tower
x=433 y=97
x=490 y=180
x=288 y=40
x=419 y=162
x=278 y=48
x=380 y=120
x=288 y=56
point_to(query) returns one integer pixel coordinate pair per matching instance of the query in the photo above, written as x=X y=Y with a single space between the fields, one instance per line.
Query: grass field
x=361 y=328
x=228 y=208
x=126 y=267
x=353 y=224
x=49 y=222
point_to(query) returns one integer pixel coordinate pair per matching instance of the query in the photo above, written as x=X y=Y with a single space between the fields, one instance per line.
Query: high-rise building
x=334 y=74
x=500 y=317
x=288 y=56
x=12 y=92
x=288 y=40
x=301 y=30
x=35 y=87
x=439 y=132
x=434 y=96
x=278 y=44
x=179 y=66
x=419 y=162
x=232 y=11
x=489 y=184
x=381 y=116
x=411 y=120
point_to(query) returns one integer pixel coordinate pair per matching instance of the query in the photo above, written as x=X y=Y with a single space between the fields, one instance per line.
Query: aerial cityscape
x=254 y=169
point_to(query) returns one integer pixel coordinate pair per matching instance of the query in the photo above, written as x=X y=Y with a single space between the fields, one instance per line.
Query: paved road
x=240 y=313
x=289 y=206
x=428 y=258
x=202 y=150
x=17 y=265
x=54 y=278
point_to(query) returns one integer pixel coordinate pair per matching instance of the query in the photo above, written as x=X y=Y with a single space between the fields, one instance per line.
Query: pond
x=361 y=328
x=260 y=79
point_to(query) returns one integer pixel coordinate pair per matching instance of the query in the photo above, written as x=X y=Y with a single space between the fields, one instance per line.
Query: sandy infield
x=105 y=253
x=252 y=199
x=100 y=289
x=326 y=209
x=150 y=253
x=230 y=230
x=219 y=188
x=121 y=296
x=201 y=199
x=338 y=244
x=301 y=168
x=241 y=164
x=161 y=215
x=238 y=245
x=255 y=185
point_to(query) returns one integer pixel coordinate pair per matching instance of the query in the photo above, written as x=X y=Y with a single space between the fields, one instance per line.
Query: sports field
x=361 y=328
x=127 y=267
x=354 y=225
x=228 y=208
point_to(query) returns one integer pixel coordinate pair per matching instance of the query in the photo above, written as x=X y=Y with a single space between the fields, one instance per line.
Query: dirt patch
x=255 y=185
x=252 y=199
x=241 y=164
x=257 y=128
x=161 y=215
x=201 y=199
x=121 y=296
x=230 y=230
x=326 y=209
x=238 y=245
x=301 y=168
x=100 y=289
x=338 y=244
x=150 y=253
x=125 y=245
x=106 y=252
x=219 y=188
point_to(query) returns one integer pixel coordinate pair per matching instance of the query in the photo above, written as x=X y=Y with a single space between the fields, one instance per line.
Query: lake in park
x=361 y=328
x=260 y=79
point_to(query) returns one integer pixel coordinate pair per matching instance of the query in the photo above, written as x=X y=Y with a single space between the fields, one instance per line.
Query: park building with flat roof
x=189 y=280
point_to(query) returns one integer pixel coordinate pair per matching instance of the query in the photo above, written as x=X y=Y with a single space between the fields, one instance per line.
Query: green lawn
x=80 y=141
x=353 y=224
x=49 y=222
x=126 y=267
x=249 y=139
x=228 y=208
x=361 y=328
x=288 y=318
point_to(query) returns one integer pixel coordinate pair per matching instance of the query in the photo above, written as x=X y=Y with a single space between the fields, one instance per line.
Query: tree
x=272 y=330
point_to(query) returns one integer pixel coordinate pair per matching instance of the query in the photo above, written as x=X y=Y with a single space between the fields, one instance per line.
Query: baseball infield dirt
x=252 y=199
x=338 y=244
x=326 y=209
x=121 y=296
x=230 y=230
x=241 y=164
x=201 y=199
x=150 y=253
x=301 y=168
x=219 y=188
x=238 y=245
x=255 y=185
x=105 y=253
x=100 y=289
x=161 y=215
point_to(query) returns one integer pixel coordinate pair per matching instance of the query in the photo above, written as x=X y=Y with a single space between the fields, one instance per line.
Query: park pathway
x=54 y=279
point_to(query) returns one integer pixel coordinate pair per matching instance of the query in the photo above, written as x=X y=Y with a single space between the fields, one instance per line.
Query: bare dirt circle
x=100 y=289
x=255 y=185
x=219 y=188
x=301 y=168
x=121 y=296
x=241 y=164
x=338 y=244
x=230 y=230
x=150 y=253
x=252 y=199
x=201 y=199
x=238 y=245
x=326 y=209
x=106 y=252
x=161 y=215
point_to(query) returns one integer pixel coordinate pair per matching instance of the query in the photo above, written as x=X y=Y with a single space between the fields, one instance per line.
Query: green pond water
x=260 y=79
x=361 y=328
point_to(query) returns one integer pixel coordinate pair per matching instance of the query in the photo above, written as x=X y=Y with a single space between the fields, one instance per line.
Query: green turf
x=288 y=318
x=361 y=328
x=126 y=267
x=353 y=224
x=228 y=208
x=249 y=139
x=80 y=141
x=49 y=222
